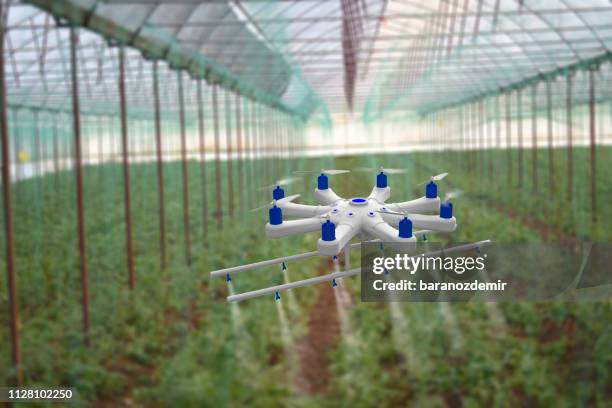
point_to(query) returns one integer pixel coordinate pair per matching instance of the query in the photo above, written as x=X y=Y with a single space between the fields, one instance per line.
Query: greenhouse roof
x=371 y=56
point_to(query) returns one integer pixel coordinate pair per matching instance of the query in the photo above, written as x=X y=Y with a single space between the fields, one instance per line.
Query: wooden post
x=508 y=140
x=202 y=142
x=9 y=232
x=184 y=172
x=551 y=164
x=228 y=152
x=592 y=139
x=126 y=172
x=76 y=115
x=239 y=149
x=160 y=169
x=519 y=114
x=570 y=142
x=534 y=137
x=218 y=191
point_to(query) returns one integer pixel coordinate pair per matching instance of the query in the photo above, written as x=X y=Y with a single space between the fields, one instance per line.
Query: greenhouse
x=153 y=149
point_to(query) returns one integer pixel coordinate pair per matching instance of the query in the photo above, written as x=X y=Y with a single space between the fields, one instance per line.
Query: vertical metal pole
x=570 y=142
x=17 y=148
x=534 y=137
x=100 y=144
x=239 y=153
x=497 y=134
x=126 y=171
x=185 y=173
x=55 y=155
x=508 y=139
x=592 y=146
x=519 y=115
x=202 y=139
x=247 y=149
x=460 y=141
x=474 y=141
x=218 y=191
x=76 y=114
x=490 y=150
x=160 y=169
x=228 y=150
x=256 y=145
x=551 y=164
x=480 y=138
x=8 y=212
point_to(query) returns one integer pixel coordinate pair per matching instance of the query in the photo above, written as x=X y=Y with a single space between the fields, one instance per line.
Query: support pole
x=185 y=173
x=228 y=152
x=126 y=171
x=218 y=192
x=160 y=169
x=592 y=146
x=247 y=150
x=76 y=115
x=8 y=212
x=551 y=163
x=534 y=137
x=508 y=140
x=570 y=142
x=55 y=156
x=239 y=150
x=519 y=120
x=202 y=137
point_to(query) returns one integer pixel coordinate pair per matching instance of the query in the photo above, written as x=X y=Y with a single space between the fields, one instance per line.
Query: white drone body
x=339 y=220
x=358 y=216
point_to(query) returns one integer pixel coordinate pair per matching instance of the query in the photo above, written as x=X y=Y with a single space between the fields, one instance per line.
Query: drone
x=339 y=220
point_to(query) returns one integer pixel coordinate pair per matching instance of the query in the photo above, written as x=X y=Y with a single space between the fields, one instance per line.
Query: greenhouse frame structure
x=492 y=72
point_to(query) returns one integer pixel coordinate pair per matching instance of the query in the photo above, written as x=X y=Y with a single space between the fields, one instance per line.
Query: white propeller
x=382 y=169
x=282 y=182
x=329 y=172
x=437 y=177
x=282 y=200
x=452 y=194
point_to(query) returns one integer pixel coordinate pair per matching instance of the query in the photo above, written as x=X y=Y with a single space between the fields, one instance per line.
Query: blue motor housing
x=446 y=210
x=276 y=215
x=322 y=182
x=431 y=190
x=381 y=180
x=405 y=228
x=328 y=231
x=278 y=193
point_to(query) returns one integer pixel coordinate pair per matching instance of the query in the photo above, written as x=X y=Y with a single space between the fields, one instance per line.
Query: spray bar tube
x=337 y=275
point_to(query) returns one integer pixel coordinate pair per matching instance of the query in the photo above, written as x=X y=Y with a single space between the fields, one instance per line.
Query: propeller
x=282 y=182
x=282 y=200
x=382 y=169
x=329 y=172
x=452 y=194
x=437 y=177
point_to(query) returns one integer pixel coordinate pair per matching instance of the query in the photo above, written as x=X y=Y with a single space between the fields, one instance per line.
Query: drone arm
x=378 y=227
x=427 y=222
x=433 y=222
x=420 y=205
x=300 y=210
x=380 y=194
x=344 y=233
x=327 y=196
x=293 y=227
